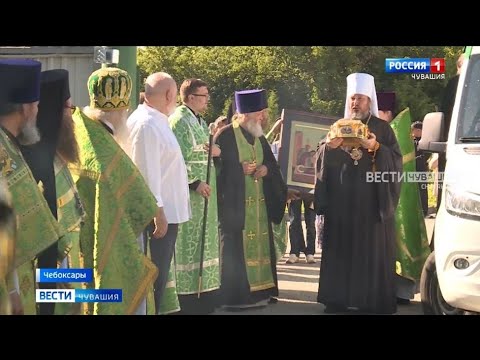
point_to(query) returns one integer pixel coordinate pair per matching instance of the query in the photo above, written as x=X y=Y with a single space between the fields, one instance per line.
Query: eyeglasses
x=202 y=95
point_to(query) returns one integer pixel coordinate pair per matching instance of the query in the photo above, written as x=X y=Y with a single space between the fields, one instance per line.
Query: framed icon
x=300 y=135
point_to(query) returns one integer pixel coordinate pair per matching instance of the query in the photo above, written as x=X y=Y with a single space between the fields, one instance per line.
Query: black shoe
x=273 y=300
x=235 y=309
x=334 y=308
x=401 y=301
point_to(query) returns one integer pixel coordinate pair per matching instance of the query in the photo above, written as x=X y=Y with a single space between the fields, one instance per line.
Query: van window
x=468 y=124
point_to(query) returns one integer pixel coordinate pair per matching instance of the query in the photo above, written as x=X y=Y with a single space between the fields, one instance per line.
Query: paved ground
x=298 y=284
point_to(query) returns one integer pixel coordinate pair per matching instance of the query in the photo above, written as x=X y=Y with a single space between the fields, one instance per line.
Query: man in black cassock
x=40 y=157
x=358 y=258
x=386 y=105
x=252 y=195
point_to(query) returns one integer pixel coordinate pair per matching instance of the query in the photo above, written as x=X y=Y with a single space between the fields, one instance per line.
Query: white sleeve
x=146 y=155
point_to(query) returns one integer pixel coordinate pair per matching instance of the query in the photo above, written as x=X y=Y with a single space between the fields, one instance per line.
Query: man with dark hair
x=193 y=134
x=56 y=135
x=386 y=106
x=48 y=161
x=252 y=196
x=38 y=229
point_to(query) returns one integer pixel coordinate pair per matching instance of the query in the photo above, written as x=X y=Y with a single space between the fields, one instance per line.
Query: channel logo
x=78 y=295
x=415 y=65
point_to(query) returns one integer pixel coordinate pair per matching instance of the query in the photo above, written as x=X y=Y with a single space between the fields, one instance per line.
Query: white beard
x=254 y=128
x=121 y=133
x=121 y=137
x=29 y=134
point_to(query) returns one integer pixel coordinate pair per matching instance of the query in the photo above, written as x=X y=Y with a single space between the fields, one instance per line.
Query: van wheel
x=433 y=302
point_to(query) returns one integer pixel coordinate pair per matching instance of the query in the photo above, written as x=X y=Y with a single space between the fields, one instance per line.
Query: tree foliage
x=308 y=78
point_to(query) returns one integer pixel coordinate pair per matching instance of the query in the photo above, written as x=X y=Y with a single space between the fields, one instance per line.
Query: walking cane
x=205 y=210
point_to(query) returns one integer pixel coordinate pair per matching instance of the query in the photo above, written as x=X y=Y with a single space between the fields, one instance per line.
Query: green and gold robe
x=411 y=233
x=70 y=215
x=280 y=239
x=119 y=205
x=8 y=235
x=169 y=303
x=256 y=245
x=37 y=227
x=192 y=135
x=247 y=210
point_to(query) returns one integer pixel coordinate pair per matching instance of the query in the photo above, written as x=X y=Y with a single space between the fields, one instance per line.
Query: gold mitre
x=352 y=131
x=110 y=89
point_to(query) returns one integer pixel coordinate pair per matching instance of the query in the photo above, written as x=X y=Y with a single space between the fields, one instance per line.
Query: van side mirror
x=432 y=133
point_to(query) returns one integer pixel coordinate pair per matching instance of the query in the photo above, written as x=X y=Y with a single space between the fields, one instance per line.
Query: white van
x=450 y=282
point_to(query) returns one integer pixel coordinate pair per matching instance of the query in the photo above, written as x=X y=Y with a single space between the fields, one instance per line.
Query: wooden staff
x=205 y=210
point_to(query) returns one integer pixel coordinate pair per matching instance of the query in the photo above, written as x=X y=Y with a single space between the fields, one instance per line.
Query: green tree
x=308 y=78
x=273 y=111
x=227 y=105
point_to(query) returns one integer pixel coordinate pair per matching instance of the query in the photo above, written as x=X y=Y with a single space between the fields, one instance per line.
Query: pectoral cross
x=251 y=235
x=250 y=201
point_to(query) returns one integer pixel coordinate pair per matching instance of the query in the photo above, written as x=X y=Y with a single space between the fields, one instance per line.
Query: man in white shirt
x=154 y=149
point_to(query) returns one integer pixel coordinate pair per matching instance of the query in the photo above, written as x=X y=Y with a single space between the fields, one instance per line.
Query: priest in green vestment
x=192 y=134
x=8 y=234
x=37 y=227
x=411 y=232
x=252 y=195
x=117 y=201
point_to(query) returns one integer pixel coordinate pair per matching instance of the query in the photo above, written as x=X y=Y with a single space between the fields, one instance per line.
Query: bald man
x=153 y=147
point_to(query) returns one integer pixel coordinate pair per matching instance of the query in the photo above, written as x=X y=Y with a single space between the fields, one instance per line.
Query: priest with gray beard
x=358 y=251
x=252 y=194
